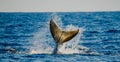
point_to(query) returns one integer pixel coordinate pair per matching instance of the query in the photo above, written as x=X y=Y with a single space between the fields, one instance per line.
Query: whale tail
x=61 y=36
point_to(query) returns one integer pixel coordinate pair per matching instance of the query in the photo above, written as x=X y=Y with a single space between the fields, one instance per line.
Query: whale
x=60 y=36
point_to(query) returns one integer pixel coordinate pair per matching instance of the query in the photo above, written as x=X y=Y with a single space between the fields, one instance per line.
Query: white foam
x=44 y=43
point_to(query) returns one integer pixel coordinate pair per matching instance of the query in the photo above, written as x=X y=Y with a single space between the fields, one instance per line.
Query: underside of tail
x=59 y=35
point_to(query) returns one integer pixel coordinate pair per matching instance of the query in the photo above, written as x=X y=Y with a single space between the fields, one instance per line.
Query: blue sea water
x=25 y=37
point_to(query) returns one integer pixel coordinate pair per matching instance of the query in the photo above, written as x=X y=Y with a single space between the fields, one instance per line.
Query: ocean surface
x=26 y=37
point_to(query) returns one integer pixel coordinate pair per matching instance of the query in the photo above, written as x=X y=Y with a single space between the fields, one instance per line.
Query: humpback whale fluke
x=61 y=36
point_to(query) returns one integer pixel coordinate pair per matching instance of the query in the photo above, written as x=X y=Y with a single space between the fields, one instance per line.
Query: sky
x=58 y=5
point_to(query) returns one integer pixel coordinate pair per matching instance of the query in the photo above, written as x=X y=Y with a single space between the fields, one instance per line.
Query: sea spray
x=44 y=43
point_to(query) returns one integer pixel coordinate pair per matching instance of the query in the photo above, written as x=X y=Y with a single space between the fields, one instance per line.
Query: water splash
x=73 y=45
x=57 y=20
x=44 y=43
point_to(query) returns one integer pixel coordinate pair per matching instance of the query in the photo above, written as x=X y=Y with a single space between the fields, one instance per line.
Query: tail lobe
x=59 y=35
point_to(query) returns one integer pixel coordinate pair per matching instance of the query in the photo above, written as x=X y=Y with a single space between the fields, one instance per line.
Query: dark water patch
x=118 y=51
x=90 y=54
x=15 y=36
x=89 y=38
x=8 y=50
x=10 y=44
x=2 y=51
x=113 y=31
x=104 y=40
x=94 y=32
x=109 y=52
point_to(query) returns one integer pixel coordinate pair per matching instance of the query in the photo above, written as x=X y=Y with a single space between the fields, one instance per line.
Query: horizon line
x=67 y=11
